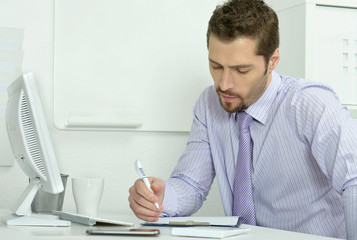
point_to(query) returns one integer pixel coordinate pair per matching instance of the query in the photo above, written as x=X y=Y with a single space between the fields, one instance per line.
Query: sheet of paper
x=209 y=232
x=216 y=221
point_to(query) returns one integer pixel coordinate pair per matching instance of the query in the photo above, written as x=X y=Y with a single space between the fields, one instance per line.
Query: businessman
x=284 y=150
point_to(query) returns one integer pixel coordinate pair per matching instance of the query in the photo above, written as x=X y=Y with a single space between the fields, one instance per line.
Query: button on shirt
x=304 y=156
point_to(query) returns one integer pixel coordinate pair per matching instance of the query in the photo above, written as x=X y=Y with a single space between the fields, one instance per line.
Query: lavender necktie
x=243 y=202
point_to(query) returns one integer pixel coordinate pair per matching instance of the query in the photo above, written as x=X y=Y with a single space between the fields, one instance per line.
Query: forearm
x=180 y=199
x=349 y=200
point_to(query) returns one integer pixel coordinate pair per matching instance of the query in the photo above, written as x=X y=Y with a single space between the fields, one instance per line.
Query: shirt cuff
x=170 y=201
x=349 y=201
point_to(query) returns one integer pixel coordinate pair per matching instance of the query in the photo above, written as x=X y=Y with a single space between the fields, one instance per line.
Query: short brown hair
x=246 y=18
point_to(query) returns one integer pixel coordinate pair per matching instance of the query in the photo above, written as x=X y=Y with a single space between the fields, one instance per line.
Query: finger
x=158 y=189
x=143 y=196
x=137 y=200
x=147 y=219
x=158 y=186
x=142 y=212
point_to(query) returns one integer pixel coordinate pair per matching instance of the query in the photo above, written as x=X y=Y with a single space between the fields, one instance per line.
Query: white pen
x=142 y=175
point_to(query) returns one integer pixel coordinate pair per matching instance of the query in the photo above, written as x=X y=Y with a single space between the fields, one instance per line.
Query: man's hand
x=142 y=200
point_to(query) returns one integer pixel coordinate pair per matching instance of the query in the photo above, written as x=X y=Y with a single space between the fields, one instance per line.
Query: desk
x=77 y=232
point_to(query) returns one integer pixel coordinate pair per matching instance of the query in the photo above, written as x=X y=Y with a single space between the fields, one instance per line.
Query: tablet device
x=134 y=232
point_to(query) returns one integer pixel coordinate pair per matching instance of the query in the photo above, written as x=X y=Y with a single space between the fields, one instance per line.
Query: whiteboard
x=129 y=65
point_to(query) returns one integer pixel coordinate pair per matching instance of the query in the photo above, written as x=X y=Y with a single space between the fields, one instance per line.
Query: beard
x=231 y=107
x=252 y=96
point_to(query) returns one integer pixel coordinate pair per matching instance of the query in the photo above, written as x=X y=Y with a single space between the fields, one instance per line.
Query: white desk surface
x=77 y=232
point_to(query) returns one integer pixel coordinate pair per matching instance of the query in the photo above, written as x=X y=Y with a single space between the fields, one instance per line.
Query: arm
x=349 y=201
x=334 y=146
x=191 y=180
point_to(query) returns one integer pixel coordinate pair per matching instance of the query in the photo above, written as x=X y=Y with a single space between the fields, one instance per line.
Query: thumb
x=158 y=187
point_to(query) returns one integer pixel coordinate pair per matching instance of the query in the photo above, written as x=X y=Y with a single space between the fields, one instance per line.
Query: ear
x=274 y=59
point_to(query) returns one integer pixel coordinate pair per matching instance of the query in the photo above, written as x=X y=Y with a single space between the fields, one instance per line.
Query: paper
x=209 y=232
x=231 y=221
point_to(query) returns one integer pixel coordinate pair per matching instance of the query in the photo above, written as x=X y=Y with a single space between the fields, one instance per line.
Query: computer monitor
x=33 y=150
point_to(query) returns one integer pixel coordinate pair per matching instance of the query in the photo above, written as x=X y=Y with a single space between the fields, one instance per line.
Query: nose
x=225 y=82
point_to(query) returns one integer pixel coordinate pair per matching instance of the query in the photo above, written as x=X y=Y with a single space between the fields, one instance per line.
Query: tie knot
x=244 y=120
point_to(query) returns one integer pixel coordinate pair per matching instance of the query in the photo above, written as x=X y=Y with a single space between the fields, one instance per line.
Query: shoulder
x=313 y=105
x=305 y=88
x=301 y=93
x=312 y=97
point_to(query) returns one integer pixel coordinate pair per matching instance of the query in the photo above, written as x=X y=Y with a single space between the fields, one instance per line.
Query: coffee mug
x=87 y=193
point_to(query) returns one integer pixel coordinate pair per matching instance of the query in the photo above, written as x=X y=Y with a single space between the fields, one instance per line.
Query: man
x=302 y=143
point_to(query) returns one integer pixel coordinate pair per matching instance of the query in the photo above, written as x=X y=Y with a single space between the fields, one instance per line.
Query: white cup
x=87 y=193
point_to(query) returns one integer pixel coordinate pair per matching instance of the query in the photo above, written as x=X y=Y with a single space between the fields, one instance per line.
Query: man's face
x=240 y=76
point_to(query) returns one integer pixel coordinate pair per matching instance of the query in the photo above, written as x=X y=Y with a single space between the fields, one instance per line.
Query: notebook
x=227 y=221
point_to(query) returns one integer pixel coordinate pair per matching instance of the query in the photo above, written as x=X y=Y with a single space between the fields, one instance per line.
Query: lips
x=228 y=98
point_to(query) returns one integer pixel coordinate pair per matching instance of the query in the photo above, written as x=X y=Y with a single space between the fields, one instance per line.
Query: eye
x=240 y=71
x=215 y=66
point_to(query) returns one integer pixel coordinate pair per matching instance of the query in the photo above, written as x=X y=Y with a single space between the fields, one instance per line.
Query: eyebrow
x=234 y=66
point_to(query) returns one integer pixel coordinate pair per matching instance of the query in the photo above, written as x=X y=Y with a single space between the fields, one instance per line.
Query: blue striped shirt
x=304 y=156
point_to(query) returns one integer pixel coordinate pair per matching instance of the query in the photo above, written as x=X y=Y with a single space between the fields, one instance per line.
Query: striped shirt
x=304 y=156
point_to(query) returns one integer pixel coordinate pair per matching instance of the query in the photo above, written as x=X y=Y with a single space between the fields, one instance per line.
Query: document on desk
x=230 y=221
x=209 y=232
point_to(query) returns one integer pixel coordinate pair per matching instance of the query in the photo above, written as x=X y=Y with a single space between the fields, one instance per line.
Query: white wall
x=82 y=153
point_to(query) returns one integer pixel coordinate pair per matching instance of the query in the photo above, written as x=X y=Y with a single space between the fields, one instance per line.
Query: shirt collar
x=260 y=109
